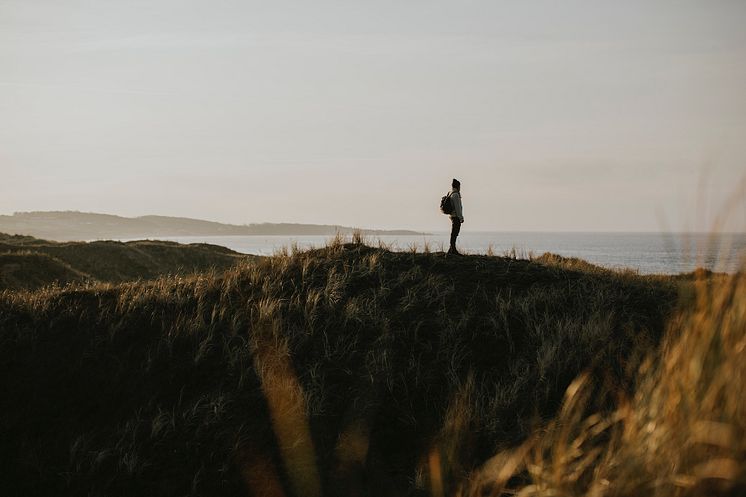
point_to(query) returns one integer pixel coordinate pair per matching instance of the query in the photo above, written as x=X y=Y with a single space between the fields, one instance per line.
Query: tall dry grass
x=682 y=433
x=347 y=370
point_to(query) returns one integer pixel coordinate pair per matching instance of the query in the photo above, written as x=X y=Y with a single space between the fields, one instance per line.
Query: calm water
x=644 y=252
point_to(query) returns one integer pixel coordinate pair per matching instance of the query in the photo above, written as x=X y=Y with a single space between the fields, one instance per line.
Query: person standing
x=457 y=215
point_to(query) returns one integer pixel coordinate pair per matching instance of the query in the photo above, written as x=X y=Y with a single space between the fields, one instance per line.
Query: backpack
x=446 y=204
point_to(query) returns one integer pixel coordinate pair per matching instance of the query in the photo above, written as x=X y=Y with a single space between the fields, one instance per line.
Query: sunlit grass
x=332 y=371
x=681 y=433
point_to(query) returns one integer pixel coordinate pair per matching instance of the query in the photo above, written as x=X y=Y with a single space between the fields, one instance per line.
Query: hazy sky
x=593 y=115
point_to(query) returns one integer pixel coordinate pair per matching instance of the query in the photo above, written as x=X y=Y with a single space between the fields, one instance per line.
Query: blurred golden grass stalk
x=683 y=433
x=288 y=408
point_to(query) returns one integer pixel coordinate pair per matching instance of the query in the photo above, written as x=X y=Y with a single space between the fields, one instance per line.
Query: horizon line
x=419 y=231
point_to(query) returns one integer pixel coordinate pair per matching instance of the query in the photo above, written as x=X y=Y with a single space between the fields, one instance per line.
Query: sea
x=645 y=253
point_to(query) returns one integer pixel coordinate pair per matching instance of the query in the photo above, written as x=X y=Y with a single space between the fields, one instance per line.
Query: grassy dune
x=681 y=432
x=348 y=370
x=29 y=263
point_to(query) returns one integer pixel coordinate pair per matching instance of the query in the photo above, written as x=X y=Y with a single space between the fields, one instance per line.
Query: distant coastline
x=74 y=225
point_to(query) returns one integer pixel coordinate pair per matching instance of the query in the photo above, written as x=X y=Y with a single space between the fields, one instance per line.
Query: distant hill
x=72 y=225
x=30 y=263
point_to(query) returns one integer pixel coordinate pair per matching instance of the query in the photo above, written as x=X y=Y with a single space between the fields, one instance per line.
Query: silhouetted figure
x=457 y=215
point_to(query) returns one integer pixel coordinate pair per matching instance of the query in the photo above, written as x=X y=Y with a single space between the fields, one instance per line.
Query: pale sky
x=555 y=116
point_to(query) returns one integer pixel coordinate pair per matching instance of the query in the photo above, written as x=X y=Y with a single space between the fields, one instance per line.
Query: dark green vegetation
x=30 y=263
x=348 y=370
x=73 y=225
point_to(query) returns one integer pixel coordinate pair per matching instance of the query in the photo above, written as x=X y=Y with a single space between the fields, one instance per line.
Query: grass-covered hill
x=30 y=263
x=347 y=370
x=682 y=432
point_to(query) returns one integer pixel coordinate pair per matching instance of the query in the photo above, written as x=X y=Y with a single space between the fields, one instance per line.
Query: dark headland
x=73 y=225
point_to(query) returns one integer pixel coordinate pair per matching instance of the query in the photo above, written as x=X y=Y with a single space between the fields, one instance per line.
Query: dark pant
x=455 y=229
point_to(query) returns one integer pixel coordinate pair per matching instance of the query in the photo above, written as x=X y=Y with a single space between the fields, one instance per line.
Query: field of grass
x=682 y=432
x=29 y=263
x=353 y=370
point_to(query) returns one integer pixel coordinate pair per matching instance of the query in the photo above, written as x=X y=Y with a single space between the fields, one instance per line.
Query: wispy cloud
x=82 y=88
